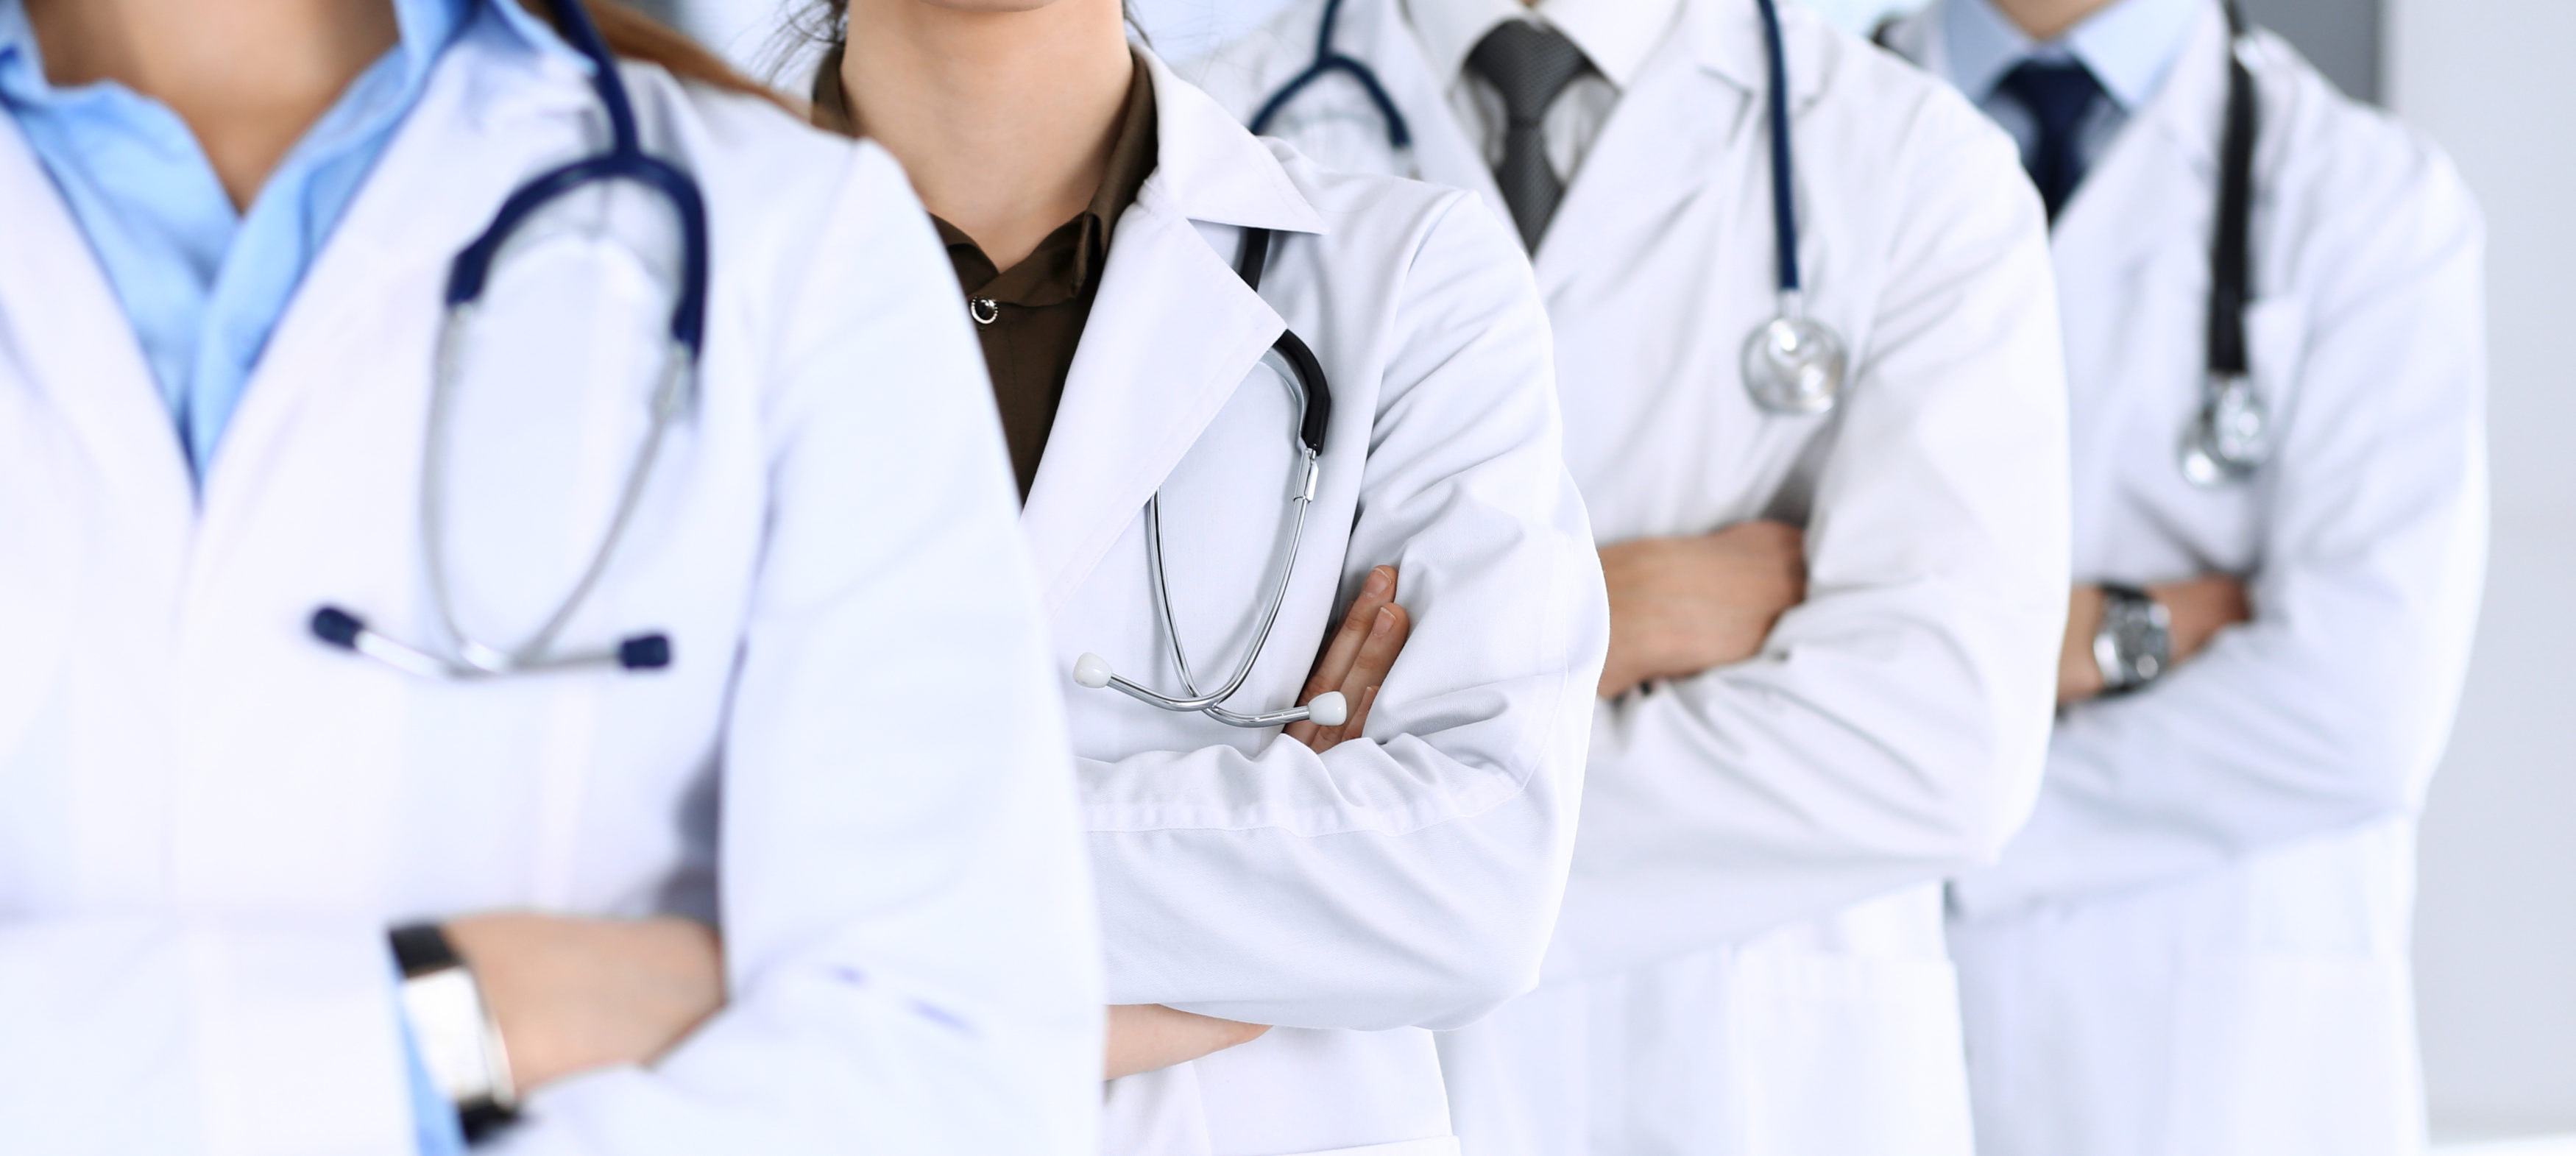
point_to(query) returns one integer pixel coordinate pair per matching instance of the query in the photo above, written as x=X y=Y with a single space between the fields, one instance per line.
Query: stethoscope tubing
x=674 y=392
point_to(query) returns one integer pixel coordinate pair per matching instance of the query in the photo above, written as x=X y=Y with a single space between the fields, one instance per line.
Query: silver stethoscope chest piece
x=1794 y=364
x=2230 y=438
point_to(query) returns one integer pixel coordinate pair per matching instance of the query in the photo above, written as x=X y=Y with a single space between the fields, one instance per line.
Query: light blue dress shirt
x=204 y=286
x=2129 y=46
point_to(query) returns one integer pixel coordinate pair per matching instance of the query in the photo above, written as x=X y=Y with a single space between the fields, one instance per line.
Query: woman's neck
x=248 y=76
x=2046 y=20
x=1003 y=119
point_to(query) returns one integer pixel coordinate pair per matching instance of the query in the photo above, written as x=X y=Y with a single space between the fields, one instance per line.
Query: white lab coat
x=1406 y=879
x=208 y=819
x=1750 y=958
x=2199 y=945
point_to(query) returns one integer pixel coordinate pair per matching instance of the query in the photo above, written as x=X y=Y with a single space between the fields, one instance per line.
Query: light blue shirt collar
x=2129 y=46
x=203 y=284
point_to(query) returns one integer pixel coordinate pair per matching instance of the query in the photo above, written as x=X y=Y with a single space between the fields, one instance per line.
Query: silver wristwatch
x=458 y=1041
x=2135 y=642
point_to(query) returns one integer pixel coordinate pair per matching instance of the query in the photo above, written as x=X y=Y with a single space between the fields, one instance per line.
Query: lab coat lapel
x=1172 y=334
x=2157 y=187
x=1693 y=103
x=456 y=156
x=1376 y=31
x=79 y=352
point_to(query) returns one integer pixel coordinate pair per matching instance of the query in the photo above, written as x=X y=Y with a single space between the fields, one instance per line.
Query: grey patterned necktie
x=1529 y=66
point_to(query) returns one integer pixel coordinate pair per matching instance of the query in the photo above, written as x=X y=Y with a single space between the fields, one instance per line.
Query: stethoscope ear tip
x=337 y=627
x=1091 y=671
x=1328 y=709
x=645 y=652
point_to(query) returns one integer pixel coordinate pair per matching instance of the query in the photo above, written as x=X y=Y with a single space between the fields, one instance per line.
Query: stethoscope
x=1305 y=380
x=625 y=160
x=1793 y=364
x=2231 y=436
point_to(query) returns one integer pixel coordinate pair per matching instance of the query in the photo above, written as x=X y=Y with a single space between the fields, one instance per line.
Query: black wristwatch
x=2135 y=642
x=452 y=1028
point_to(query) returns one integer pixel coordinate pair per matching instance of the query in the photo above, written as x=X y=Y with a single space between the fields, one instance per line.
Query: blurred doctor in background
x=1836 y=591
x=1242 y=392
x=2275 y=338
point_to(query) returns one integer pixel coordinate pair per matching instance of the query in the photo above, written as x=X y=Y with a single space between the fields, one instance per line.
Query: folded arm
x=1891 y=729
x=2329 y=707
x=1410 y=875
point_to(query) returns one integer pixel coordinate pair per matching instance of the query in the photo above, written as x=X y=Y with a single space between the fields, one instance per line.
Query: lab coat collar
x=1617 y=36
x=2156 y=186
x=440 y=178
x=1210 y=169
x=1727 y=39
x=494 y=116
x=1173 y=333
x=77 y=349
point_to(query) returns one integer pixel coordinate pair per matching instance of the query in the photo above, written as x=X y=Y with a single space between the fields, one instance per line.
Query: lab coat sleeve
x=1409 y=877
x=2330 y=708
x=906 y=915
x=1891 y=730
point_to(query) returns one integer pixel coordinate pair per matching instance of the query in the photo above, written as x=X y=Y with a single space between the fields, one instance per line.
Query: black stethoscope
x=2231 y=436
x=1304 y=376
x=1793 y=364
x=625 y=160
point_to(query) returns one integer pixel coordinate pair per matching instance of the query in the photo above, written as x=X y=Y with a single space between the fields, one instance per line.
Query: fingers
x=1376 y=659
x=1333 y=666
x=1387 y=635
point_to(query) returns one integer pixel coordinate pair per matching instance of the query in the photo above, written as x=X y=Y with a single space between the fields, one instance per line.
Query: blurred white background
x=2496 y=931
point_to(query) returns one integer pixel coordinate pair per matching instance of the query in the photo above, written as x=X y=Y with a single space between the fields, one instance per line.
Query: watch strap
x=458 y=1041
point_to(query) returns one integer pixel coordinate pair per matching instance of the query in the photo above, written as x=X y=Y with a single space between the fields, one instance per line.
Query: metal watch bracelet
x=2134 y=644
x=452 y=1026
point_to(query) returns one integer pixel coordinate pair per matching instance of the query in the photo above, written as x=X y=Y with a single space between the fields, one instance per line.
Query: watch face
x=2139 y=644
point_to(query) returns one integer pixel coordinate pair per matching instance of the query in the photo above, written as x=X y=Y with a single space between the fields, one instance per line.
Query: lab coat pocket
x=2295 y=1054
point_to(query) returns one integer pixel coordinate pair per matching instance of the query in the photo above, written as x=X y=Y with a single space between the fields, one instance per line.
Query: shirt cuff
x=435 y=1127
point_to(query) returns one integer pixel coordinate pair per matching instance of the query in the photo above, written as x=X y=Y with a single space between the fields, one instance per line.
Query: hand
x=2198 y=609
x=1679 y=606
x=572 y=994
x=1147 y=1036
x=1356 y=659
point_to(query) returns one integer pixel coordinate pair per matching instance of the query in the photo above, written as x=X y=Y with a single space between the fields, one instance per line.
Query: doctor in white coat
x=1750 y=958
x=1345 y=886
x=850 y=758
x=2199 y=944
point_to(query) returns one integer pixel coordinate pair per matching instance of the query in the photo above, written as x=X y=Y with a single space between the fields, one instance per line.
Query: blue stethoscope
x=1793 y=363
x=625 y=160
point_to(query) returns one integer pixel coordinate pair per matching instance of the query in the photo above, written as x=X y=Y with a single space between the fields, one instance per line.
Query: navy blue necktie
x=2059 y=95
